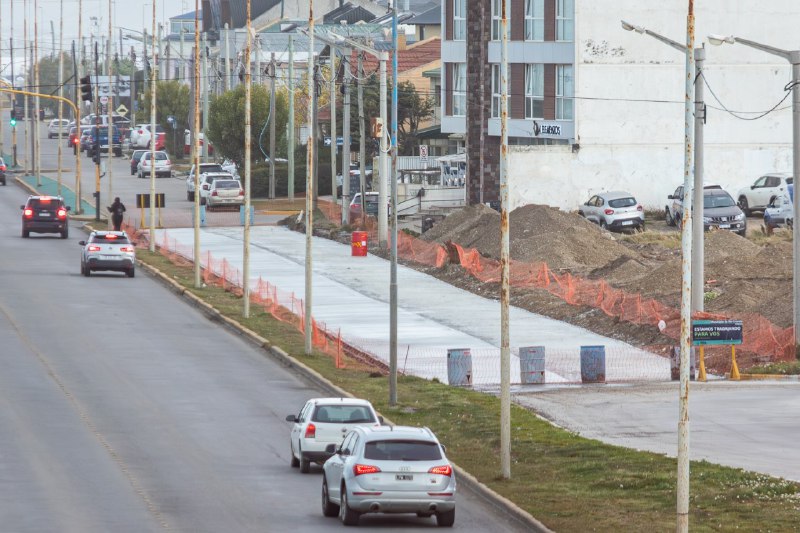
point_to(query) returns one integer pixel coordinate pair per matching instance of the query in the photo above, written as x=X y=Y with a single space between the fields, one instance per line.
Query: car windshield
x=343 y=414
x=137 y=155
x=210 y=168
x=226 y=184
x=717 y=200
x=109 y=238
x=402 y=450
x=622 y=202
x=790 y=181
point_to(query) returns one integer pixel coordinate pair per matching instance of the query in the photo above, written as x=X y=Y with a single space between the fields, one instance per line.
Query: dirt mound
x=565 y=241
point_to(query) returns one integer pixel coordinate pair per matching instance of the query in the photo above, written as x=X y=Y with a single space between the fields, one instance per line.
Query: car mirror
x=68 y=208
x=331 y=448
x=671 y=197
x=291 y=418
x=380 y=419
x=752 y=187
x=22 y=207
x=82 y=243
x=444 y=448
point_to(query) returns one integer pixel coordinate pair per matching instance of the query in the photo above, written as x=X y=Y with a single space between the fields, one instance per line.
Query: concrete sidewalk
x=352 y=294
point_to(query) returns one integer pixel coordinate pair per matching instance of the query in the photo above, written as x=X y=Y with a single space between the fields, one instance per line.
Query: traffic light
x=86 y=89
x=13 y=121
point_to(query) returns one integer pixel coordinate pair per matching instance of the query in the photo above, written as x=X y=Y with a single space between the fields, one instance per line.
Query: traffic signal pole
x=96 y=144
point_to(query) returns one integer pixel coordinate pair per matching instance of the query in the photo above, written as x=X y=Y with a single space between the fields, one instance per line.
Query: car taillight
x=241 y=192
x=141 y=131
x=93 y=248
x=75 y=140
x=639 y=208
x=359 y=470
x=61 y=213
x=28 y=213
x=445 y=470
x=214 y=193
x=311 y=431
x=609 y=211
x=127 y=249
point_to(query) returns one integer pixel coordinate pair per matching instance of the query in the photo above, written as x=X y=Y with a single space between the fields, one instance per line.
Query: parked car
x=108 y=250
x=72 y=139
x=140 y=135
x=780 y=210
x=98 y=138
x=389 y=470
x=207 y=179
x=85 y=139
x=614 y=210
x=225 y=193
x=757 y=196
x=674 y=209
x=3 y=170
x=204 y=168
x=45 y=214
x=324 y=421
x=163 y=165
x=720 y=211
x=136 y=156
x=371 y=200
x=57 y=126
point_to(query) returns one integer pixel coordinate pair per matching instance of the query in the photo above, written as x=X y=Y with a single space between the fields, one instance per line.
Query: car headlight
x=740 y=216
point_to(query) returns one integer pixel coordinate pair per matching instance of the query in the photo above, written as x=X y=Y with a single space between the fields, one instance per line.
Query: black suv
x=45 y=214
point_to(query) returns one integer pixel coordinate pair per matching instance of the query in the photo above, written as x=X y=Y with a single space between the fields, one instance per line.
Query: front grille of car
x=722 y=219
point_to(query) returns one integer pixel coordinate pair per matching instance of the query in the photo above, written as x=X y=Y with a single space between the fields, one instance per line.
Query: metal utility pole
x=686 y=285
x=109 y=112
x=247 y=141
x=290 y=140
x=60 y=86
x=13 y=86
x=309 y=183
x=78 y=67
x=97 y=124
x=362 y=153
x=196 y=144
x=505 y=345
x=37 y=145
x=205 y=82
x=272 y=121
x=227 y=59
x=346 y=142
x=153 y=78
x=159 y=56
x=258 y=64
x=334 y=136
x=383 y=215
x=393 y=268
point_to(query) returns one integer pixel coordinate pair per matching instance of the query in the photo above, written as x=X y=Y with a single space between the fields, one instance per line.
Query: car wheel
x=668 y=217
x=305 y=464
x=87 y=271
x=131 y=272
x=202 y=201
x=446 y=518
x=603 y=225
x=328 y=508
x=25 y=234
x=744 y=205
x=189 y=196
x=349 y=517
x=65 y=234
x=295 y=461
x=642 y=228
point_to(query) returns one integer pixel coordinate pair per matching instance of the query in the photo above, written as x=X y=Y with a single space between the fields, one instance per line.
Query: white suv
x=324 y=421
x=758 y=196
x=57 y=126
x=204 y=169
x=207 y=179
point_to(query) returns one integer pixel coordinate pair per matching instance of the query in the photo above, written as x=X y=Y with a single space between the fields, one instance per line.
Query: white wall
x=630 y=106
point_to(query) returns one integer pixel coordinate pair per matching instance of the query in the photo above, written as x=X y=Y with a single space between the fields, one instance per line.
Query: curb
x=765 y=377
x=482 y=491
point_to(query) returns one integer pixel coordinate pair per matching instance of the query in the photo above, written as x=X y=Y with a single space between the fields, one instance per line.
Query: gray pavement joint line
x=479 y=489
x=84 y=416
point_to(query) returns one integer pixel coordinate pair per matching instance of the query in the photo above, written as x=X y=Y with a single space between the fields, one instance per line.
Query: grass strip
x=568 y=482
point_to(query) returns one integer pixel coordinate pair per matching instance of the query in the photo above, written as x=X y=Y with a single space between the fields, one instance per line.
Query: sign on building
x=546 y=129
x=423 y=155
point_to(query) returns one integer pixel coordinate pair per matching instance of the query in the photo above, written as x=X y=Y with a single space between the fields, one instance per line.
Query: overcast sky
x=132 y=14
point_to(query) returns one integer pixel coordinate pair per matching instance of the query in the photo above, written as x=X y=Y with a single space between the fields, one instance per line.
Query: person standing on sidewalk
x=117 y=210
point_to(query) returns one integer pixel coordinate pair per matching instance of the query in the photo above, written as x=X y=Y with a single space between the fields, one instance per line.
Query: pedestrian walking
x=117 y=210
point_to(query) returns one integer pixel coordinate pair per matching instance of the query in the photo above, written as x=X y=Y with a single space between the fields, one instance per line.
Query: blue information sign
x=716 y=332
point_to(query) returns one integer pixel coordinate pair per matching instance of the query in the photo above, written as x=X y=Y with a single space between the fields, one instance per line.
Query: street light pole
x=505 y=292
x=793 y=57
x=307 y=322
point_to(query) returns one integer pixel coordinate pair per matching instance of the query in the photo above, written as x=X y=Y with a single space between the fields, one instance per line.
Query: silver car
x=108 y=250
x=225 y=193
x=57 y=126
x=163 y=165
x=615 y=210
x=389 y=469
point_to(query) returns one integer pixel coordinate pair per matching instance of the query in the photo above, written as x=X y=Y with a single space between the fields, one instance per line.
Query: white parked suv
x=763 y=191
x=140 y=135
x=204 y=169
x=324 y=421
x=207 y=179
x=57 y=126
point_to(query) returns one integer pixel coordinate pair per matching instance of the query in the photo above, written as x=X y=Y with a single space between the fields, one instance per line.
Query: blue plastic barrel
x=241 y=214
x=593 y=364
x=531 y=365
x=459 y=367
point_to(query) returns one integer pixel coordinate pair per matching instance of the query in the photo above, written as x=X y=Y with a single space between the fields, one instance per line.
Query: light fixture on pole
x=682 y=507
x=698 y=235
x=793 y=57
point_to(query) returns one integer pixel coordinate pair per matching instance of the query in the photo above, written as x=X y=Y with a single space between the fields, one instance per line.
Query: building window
x=565 y=91
x=534 y=20
x=497 y=19
x=459 y=20
x=565 y=25
x=459 y=89
x=495 y=91
x=534 y=91
x=437 y=95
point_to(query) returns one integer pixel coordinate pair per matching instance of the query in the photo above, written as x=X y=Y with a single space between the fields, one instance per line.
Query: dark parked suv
x=45 y=214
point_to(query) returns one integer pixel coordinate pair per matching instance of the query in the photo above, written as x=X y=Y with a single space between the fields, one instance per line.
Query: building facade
x=593 y=107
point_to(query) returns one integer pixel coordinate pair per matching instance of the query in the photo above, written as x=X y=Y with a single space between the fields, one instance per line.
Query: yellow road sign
x=122 y=110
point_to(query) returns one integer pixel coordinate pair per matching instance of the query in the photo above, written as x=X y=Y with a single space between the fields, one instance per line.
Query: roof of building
x=188 y=16
x=348 y=13
x=431 y=17
x=415 y=56
x=415 y=6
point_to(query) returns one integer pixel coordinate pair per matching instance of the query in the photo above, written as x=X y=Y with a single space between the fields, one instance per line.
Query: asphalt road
x=122 y=408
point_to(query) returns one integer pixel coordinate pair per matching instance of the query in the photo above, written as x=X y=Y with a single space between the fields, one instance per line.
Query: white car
x=389 y=470
x=140 y=135
x=324 y=421
x=57 y=126
x=204 y=169
x=225 y=193
x=207 y=179
x=758 y=196
x=163 y=165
